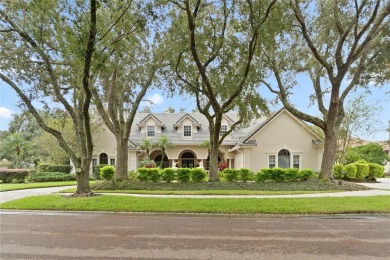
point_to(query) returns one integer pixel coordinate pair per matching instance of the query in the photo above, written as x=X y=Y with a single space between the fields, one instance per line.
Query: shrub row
x=44 y=167
x=284 y=175
x=360 y=170
x=8 y=175
x=51 y=176
x=169 y=174
x=238 y=174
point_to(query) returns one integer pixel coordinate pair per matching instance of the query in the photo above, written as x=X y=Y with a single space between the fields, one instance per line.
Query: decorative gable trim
x=186 y=115
x=142 y=123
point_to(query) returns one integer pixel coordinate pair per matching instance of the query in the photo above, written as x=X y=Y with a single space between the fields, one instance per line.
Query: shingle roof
x=170 y=119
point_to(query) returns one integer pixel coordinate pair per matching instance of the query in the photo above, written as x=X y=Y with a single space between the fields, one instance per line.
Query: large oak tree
x=340 y=46
x=214 y=44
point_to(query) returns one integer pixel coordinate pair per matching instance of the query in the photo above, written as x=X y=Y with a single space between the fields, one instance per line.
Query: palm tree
x=163 y=143
x=146 y=145
x=14 y=147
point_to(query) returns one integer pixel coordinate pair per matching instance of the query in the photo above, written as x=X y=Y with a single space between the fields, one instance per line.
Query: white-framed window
x=271 y=161
x=223 y=129
x=296 y=159
x=150 y=130
x=187 y=131
x=112 y=161
x=94 y=162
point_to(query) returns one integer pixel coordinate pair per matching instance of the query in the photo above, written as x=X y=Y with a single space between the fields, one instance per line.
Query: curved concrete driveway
x=383 y=184
x=18 y=194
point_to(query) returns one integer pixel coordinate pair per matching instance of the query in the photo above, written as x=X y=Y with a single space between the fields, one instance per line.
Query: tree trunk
x=213 y=168
x=82 y=171
x=122 y=160
x=329 y=155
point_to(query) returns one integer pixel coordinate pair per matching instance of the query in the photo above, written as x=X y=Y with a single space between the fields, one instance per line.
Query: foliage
x=306 y=174
x=163 y=143
x=222 y=166
x=51 y=176
x=183 y=174
x=132 y=175
x=147 y=144
x=198 y=175
x=284 y=175
x=231 y=174
x=338 y=171
x=96 y=170
x=350 y=171
x=168 y=175
x=147 y=163
x=362 y=170
x=372 y=153
x=148 y=174
x=14 y=147
x=360 y=121
x=375 y=171
x=54 y=168
x=212 y=59
x=340 y=46
x=7 y=175
x=246 y=174
x=107 y=172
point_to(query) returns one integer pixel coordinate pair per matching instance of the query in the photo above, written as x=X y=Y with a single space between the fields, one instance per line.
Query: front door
x=187 y=163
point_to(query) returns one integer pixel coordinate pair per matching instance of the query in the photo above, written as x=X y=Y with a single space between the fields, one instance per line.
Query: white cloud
x=156 y=99
x=5 y=113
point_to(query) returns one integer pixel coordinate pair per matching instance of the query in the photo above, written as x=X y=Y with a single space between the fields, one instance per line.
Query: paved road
x=47 y=235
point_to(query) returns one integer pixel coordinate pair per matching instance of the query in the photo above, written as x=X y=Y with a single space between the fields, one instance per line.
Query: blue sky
x=380 y=97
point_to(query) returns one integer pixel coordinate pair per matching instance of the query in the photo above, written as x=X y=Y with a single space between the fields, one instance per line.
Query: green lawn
x=351 y=205
x=22 y=186
x=206 y=192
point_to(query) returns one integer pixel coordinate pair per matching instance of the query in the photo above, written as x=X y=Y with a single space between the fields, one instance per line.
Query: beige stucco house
x=280 y=140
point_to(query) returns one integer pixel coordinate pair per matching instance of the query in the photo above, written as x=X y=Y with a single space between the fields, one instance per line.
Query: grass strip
x=205 y=192
x=22 y=186
x=344 y=205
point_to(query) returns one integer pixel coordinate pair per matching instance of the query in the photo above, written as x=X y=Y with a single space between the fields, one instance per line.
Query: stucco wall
x=283 y=132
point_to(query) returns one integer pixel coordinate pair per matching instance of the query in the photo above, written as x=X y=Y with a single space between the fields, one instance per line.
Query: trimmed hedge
x=96 y=170
x=338 y=171
x=52 y=176
x=246 y=175
x=358 y=171
x=168 y=175
x=284 y=175
x=148 y=174
x=350 y=171
x=46 y=167
x=183 y=174
x=107 y=172
x=8 y=175
x=362 y=170
x=198 y=174
x=230 y=174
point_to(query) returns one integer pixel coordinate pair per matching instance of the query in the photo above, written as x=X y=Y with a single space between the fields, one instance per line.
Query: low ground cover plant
x=9 y=175
x=359 y=171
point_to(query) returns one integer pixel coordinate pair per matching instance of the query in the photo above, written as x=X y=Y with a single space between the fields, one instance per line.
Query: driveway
x=383 y=184
x=18 y=194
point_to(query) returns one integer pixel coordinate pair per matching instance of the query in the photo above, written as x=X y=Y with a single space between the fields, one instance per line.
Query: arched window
x=165 y=163
x=284 y=159
x=187 y=160
x=103 y=158
x=187 y=155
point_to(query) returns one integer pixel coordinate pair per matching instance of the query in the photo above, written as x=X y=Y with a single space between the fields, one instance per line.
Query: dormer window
x=223 y=129
x=187 y=131
x=150 y=131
